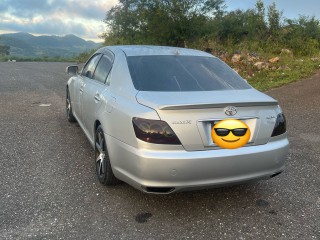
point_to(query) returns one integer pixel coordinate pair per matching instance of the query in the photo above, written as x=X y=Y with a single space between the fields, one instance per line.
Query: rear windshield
x=182 y=73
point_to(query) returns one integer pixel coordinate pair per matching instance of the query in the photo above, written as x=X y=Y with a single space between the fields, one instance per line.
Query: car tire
x=70 y=116
x=103 y=166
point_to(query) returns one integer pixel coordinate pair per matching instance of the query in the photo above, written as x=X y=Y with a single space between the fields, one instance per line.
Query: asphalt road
x=49 y=189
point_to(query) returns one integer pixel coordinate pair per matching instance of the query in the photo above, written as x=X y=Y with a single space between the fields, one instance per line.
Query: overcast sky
x=55 y=17
x=84 y=17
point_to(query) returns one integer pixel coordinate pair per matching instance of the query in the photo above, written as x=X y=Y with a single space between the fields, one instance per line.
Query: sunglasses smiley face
x=230 y=133
x=222 y=132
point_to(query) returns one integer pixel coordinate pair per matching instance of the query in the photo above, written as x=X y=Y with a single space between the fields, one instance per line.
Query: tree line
x=4 y=50
x=206 y=23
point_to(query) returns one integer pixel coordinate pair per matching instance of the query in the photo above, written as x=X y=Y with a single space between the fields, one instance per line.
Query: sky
x=84 y=18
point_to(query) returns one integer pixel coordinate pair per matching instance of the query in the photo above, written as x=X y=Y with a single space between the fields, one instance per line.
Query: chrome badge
x=230 y=111
x=182 y=122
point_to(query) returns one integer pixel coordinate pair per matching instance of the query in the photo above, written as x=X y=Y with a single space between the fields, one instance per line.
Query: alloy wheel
x=100 y=154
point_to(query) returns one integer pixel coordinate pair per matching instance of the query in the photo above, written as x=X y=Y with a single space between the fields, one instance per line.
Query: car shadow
x=215 y=201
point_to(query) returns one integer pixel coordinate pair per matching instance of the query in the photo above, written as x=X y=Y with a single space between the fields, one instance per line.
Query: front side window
x=182 y=73
x=103 y=68
x=89 y=68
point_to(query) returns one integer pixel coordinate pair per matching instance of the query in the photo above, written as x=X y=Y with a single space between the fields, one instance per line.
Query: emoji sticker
x=230 y=133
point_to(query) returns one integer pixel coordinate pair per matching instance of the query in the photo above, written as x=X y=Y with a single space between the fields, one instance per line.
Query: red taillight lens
x=280 y=126
x=154 y=131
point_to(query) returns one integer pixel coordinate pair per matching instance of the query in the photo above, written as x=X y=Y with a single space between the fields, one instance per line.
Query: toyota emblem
x=230 y=111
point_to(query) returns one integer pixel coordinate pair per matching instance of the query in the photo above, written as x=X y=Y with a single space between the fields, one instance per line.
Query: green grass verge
x=293 y=70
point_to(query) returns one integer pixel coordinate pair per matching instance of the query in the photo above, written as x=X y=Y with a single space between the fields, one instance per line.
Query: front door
x=84 y=79
x=93 y=97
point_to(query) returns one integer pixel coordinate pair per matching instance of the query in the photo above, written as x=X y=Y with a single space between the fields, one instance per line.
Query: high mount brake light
x=154 y=131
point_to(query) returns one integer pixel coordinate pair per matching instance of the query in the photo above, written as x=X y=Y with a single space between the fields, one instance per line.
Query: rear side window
x=182 y=73
x=103 y=69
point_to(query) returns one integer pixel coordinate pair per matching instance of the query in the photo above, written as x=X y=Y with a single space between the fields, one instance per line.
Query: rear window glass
x=182 y=73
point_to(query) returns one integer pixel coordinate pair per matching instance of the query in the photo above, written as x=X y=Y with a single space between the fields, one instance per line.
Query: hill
x=27 y=45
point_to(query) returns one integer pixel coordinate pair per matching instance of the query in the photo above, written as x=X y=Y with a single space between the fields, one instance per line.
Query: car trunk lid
x=191 y=115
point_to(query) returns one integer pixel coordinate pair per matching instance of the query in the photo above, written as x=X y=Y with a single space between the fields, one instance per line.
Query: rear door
x=93 y=96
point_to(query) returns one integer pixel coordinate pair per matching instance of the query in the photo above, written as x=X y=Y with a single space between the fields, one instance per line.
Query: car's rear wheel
x=103 y=165
x=70 y=116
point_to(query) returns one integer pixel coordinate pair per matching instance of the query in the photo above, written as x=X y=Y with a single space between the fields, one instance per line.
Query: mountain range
x=27 y=45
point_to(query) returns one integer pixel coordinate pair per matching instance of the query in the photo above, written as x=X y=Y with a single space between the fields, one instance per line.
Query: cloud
x=80 y=17
x=27 y=8
x=53 y=25
x=31 y=8
x=55 y=28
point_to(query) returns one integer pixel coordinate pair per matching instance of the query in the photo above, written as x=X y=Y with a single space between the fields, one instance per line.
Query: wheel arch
x=97 y=123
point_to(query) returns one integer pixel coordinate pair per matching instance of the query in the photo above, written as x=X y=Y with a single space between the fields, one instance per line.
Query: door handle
x=81 y=88
x=97 y=97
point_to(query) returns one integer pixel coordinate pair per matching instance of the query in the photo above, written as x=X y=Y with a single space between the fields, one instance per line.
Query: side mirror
x=72 y=70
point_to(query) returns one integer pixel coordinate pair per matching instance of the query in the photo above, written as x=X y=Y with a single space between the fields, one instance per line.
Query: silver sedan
x=150 y=113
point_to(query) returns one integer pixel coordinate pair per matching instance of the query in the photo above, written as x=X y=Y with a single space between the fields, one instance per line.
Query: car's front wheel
x=103 y=165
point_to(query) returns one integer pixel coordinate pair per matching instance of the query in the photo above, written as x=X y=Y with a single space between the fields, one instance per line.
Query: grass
x=287 y=70
x=292 y=70
x=291 y=67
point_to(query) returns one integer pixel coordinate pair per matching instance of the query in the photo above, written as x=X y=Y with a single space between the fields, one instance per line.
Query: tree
x=162 y=22
x=4 y=50
x=274 y=19
x=232 y=27
x=303 y=35
x=261 y=26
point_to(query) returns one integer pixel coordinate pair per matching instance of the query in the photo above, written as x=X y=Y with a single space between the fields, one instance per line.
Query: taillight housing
x=280 y=126
x=154 y=131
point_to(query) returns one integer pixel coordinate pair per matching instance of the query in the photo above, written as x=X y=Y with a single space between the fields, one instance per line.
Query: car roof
x=145 y=50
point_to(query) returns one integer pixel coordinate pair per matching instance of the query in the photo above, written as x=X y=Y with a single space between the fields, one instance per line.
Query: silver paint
x=198 y=162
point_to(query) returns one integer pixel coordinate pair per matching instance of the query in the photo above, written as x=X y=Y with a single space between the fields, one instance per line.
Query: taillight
x=280 y=126
x=154 y=131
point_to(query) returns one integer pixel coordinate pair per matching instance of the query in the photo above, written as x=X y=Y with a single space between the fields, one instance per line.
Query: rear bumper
x=180 y=170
